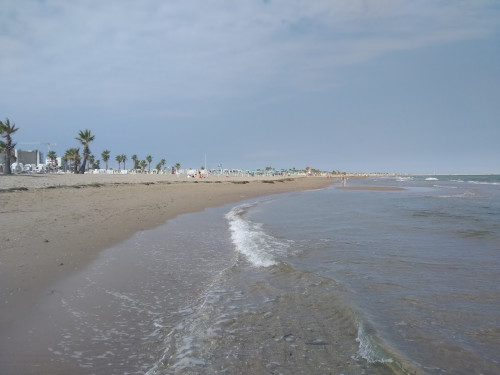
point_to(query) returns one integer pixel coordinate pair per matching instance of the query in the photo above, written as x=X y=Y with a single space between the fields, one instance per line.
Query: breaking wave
x=249 y=238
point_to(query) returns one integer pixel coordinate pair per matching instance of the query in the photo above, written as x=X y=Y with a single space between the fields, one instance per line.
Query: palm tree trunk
x=8 y=169
x=82 y=167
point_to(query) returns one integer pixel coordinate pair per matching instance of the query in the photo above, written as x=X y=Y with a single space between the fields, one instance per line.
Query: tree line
x=77 y=163
x=74 y=160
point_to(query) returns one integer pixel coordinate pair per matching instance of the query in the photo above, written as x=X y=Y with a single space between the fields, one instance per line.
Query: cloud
x=117 y=52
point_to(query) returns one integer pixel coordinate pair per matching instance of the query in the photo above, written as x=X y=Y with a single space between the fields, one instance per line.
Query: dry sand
x=54 y=225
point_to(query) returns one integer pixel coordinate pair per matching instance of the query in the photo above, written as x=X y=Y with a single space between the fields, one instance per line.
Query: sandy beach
x=53 y=225
x=96 y=278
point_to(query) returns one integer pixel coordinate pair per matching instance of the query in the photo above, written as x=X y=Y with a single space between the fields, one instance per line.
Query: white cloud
x=155 y=50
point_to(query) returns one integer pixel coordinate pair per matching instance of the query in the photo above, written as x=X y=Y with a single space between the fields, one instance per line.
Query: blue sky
x=352 y=85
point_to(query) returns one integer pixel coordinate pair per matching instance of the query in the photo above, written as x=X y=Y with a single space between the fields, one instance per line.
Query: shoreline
x=54 y=225
x=371 y=188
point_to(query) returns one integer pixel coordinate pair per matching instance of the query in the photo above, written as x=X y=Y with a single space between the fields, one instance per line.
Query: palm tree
x=160 y=166
x=105 y=155
x=2 y=150
x=149 y=160
x=76 y=159
x=91 y=161
x=124 y=159
x=67 y=159
x=6 y=131
x=177 y=166
x=118 y=158
x=85 y=138
x=72 y=156
x=136 y=161
x=52 y=156
x=143 y=164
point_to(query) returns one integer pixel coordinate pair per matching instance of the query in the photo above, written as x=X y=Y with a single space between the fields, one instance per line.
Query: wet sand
x=54 y=225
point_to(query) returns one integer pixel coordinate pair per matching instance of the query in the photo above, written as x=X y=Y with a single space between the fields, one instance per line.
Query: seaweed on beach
x=268 y=181
x=13 y=189
x=96 y=185
x=240 y=182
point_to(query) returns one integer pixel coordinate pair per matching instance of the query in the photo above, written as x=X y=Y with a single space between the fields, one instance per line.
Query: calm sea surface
x=328 y=281
x=420 y=268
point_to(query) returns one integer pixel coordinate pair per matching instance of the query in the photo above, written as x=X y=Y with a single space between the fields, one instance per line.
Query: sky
x=395 y=86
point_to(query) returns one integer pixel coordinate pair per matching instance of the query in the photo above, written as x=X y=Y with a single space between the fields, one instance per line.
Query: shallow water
x=328 y=281
x=113 y=317
x=419 y=267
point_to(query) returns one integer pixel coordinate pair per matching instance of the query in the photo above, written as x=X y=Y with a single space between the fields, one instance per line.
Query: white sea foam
x=369 y=350
x=251 y=240
x=402 y=179
x=466 y=194
x=484 y=182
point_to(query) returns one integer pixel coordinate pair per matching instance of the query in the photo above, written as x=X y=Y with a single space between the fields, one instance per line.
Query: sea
x=330 y=281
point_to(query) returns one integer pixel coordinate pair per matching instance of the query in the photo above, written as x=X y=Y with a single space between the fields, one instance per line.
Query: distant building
x=29 y=157
x=33 y=158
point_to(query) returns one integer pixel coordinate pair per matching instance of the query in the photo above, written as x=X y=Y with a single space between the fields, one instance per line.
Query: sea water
x=328 y=281
x=358 y=281
x=355 y=281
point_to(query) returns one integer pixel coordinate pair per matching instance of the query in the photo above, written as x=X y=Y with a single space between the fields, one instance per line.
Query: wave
x=206 y=318
x=263 y=325
x=484 y=182
x=368 y=349
x=377 y=353
x=462 y=195
x=249 y=238
x=267 y=320
x=266 y=316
